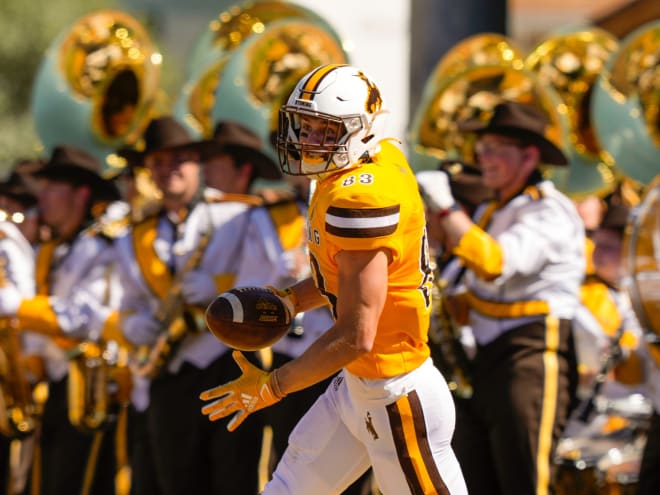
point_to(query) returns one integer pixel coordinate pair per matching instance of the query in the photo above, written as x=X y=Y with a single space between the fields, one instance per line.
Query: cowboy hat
x=75 y=166
x=522 y=121
x=163 y=134
x=15 y=188
x=236 y=140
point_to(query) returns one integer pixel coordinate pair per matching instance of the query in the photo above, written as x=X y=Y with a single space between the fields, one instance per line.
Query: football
x=248 y=318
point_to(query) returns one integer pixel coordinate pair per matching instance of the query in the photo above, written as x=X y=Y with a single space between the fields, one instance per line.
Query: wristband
x=445 y=212
x=275 y=385
x=289 y=298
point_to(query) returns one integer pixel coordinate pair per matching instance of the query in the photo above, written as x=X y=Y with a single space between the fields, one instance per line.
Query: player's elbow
x=363 y=342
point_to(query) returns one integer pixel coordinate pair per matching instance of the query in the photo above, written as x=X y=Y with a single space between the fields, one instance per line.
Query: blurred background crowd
x=104 y=96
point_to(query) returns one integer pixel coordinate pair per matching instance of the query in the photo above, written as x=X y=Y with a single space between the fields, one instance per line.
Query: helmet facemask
x=326 y=151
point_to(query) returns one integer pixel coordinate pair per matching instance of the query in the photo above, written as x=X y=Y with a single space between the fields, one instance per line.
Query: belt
x=516 y=309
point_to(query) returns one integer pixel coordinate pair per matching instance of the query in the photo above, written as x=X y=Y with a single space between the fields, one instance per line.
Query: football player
x=389 y=407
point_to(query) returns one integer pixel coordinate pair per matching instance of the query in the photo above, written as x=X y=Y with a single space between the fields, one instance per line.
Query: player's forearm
x=325 y=357
x=307 y=296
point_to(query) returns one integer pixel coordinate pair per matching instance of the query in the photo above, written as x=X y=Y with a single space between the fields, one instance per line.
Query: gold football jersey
x=373 y=206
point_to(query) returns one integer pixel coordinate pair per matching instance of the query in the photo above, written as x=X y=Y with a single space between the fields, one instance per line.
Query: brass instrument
x=245 y=65
x=173 y=317
x=444 y=338
x=94 y=383
x=626 y=104
x=468 y=82
x=570 y=62
x=97 y=85
x=21 y=404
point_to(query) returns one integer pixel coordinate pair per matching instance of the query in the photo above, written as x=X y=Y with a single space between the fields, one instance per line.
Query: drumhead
x=641 y=257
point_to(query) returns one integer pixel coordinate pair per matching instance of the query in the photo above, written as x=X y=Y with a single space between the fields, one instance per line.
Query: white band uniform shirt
x=547 y=229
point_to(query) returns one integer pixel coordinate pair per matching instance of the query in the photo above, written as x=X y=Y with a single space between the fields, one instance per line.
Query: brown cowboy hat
x=75 y=166
x=15 y=188
x=163 y=134
x=465 y=183
x=522 y=121
x=235 y=139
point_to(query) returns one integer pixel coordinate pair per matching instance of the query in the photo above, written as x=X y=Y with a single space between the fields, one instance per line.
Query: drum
x=617 y=472
x=641 y=258
x=636 y=408
x=576 y=463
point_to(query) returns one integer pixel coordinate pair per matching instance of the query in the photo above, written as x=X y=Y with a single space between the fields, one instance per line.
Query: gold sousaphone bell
x=570 y=62
x=244 y=66
x=97 y=85
x=468 y=82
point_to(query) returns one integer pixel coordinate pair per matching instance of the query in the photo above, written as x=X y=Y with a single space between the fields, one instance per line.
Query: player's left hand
x=255 y=389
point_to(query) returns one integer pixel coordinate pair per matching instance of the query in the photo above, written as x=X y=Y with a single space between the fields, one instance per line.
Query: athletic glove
x=435 y=190
x=288 y=298
x=255 y=389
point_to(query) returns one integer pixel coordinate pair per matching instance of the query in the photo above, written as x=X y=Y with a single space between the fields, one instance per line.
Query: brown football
x=248 y=318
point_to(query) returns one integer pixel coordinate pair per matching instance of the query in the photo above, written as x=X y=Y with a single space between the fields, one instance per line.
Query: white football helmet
x=334 y=118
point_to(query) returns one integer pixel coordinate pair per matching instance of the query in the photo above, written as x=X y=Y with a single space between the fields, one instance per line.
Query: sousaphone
x=97 y=85
x=626 y=104
x=245 y=65
x=570 y=62
x=468 y=82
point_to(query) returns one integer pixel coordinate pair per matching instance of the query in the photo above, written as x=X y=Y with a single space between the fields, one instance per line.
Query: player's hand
x=435 y=190
x=288 y=298
x=255 y=389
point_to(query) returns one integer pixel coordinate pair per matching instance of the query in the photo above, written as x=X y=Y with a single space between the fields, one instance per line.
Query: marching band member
x=524 y=255
x=74 y=279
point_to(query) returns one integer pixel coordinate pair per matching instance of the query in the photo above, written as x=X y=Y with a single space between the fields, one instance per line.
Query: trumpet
x=444 y=336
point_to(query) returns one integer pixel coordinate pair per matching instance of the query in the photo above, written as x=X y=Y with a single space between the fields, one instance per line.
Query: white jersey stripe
x=362 y=223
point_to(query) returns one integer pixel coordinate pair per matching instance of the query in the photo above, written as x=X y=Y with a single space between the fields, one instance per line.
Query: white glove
x=198 y=288
x=435 y=190
x=10 y=300
x=141 y=328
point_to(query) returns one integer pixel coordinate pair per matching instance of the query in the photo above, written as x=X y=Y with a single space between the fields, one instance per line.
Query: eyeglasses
x=495 y=148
